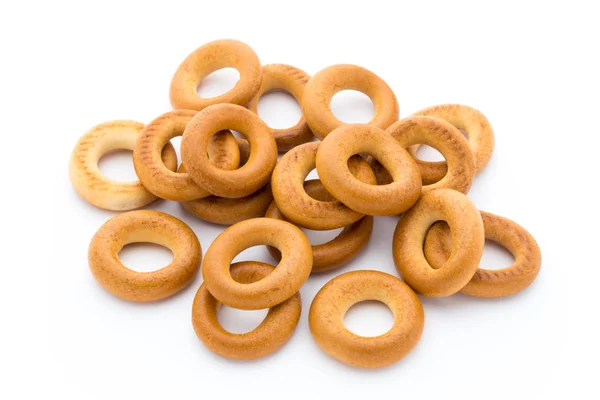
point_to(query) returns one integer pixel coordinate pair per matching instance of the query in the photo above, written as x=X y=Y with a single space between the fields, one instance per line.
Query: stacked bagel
x=365 y=170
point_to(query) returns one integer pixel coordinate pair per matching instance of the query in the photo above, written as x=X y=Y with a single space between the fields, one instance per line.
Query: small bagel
x=467 y=233
x=321 y=88
x=348 y=140
x=97 y=189
x=445 y=138
x=291 y=80
x=338 y=251
x=479 y=132
x=342 y=292
x=165 y=183
x=241 y=182
x=491 y=283
x=208 y=59
x=275 y=330
x=297 y=206
x=144 y=226
x=290 y=274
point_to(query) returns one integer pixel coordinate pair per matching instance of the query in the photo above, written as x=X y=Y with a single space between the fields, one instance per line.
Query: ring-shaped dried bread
x=144 y=226
x=291 y=80
x=341 y=249
x=326 y=319
x=207 y=59
x=272 y=333
x=348 y=140
x=479 y=132
x=466 y=227
x=222 y=150
x=491 y=283
x=320 y=89
x=442 y=136
x=240 y=182
x=288 y=190
x=290 y=274
x=99 y=190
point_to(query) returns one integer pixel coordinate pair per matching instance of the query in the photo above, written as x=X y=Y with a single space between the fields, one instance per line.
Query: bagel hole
x=428 y=153
x=313 y=174
x=145 y=257
x=320 y=237
x=352 y=106
x=176 y=142
x=279 y=109
x=219 y=82
x=465 y=134
x=118 y=166
x=369 y=318
x=237 y=134
x=240 y=321
x=495 y=256
x=254 y=253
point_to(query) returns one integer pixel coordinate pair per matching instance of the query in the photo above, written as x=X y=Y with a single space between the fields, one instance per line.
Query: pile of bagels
x=365 y=170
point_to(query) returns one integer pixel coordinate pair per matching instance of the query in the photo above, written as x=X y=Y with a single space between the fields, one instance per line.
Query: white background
x=531 y=67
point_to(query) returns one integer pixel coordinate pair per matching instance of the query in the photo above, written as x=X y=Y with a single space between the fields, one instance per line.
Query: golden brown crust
x=223 y=211
x=479 y=132
x=492 y=283
x=94 y=187
x=208 y=59
x=280 y=285
x=240 y=182
x=275 y=330
x=293 y=81
x=326 y=83
x=348 y=140
x=144 y=226
x=445 y=138
x=342 y=292
x=223 y=151
x=467 y=232
x=338 y=251
x=300 y=208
